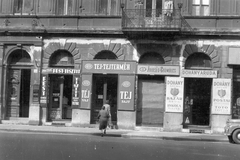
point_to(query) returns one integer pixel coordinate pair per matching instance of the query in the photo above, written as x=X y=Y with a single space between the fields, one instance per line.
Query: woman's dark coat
x=103 y=116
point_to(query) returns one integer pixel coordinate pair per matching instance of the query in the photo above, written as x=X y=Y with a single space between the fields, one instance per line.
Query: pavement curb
x=125 y=134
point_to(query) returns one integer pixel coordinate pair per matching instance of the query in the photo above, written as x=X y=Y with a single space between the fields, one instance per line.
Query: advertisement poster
x=221 y=101
x=174 y=94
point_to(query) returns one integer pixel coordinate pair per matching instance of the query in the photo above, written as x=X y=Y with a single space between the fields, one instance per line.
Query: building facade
x=169 y=64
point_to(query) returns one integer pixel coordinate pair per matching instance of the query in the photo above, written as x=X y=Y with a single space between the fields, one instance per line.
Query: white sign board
x=174 y=94
x=221 y=96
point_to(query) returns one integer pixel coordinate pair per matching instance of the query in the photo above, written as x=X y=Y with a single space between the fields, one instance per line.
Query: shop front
x=108 y=80
x=20 y=71
x=60 y=95
x=151 y=93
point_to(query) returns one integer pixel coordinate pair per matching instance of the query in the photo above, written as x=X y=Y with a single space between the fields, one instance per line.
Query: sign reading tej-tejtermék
x=174 y=94
x=221 y=97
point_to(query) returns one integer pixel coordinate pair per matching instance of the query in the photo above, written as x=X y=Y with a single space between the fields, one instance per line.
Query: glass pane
x=113 y=7
x=44 y=6
x=206 y=11
x=70 y=7
x=27 y=6
x=17 y=6
x=103 y=5
x=60 y=7
x=196 y=2
x=195 y=10
x=205 y=2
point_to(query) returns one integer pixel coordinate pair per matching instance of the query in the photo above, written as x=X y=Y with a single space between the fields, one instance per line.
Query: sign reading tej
x=126 y=92
x=174 y=94
x=221 y=101
x=86 y=91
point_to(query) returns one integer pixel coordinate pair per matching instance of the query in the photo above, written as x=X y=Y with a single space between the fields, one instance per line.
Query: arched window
x=19 y=57
x=61 y=58
x=151 y=58
x=198 y=61
x=105 y=55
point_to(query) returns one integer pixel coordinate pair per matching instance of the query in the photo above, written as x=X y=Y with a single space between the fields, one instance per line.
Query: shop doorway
x=150 y=108
x=104 y=88
x=197 y=101
x=60 y=97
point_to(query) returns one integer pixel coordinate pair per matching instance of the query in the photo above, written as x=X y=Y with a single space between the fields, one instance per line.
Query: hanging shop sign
x=114 y=67
x=157 y=70
x=174 y=94
x=126 y=92
x=221 y=96
x=43 y=97
x=199 y=73
x=61 y=71
x=86 y=91
x=76 y=86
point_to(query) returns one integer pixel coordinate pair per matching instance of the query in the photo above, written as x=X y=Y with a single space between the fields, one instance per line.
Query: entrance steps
x=15 y=121
x=146 y=128
x=197 y=129
x=59 y=123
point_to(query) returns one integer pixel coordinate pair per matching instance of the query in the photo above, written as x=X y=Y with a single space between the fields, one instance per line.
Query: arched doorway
x=151 y=90
x=60 y=93
x=18 y=84
x=197 y=92
x=104 y=88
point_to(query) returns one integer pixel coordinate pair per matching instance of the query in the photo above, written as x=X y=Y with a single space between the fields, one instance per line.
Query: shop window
x=61 y=58
x=198 y=61
x=151 y=58
x=200 y=7
x=105 y=55
x=19 y=57
x=108 y=7
x=236 y=94
x=22 y=7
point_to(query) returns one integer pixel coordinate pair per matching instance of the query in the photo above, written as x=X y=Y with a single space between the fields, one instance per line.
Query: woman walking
x=103 y=116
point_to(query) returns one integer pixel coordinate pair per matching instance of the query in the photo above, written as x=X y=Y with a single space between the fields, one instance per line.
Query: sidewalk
x=178 y=136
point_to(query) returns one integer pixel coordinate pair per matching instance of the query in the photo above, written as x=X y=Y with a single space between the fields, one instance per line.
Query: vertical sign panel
x=174 y=94
x=43 y=98
x=75 y=90
x=86 y=90
x=126 y=92
x=221 y=96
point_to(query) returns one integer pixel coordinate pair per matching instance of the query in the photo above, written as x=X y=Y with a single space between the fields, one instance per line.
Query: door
x=18 y=92
x=150 y=106
x=60 y=96
x=104 y=88
x=197 y=101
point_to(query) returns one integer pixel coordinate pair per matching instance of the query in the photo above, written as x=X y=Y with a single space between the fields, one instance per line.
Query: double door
x=104 y=88
x=18 y=92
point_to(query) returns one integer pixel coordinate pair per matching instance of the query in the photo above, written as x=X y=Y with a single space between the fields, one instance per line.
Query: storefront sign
x=199 y=73
x=126 y=92
x=116 y=67
x=221 y=97
x=157 y=70
x=174 y=94
x=75 y=98
x=86 y=91
x=43 y=98
x=61 y=71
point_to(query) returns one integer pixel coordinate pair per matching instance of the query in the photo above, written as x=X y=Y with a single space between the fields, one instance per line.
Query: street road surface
x=49 y=146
